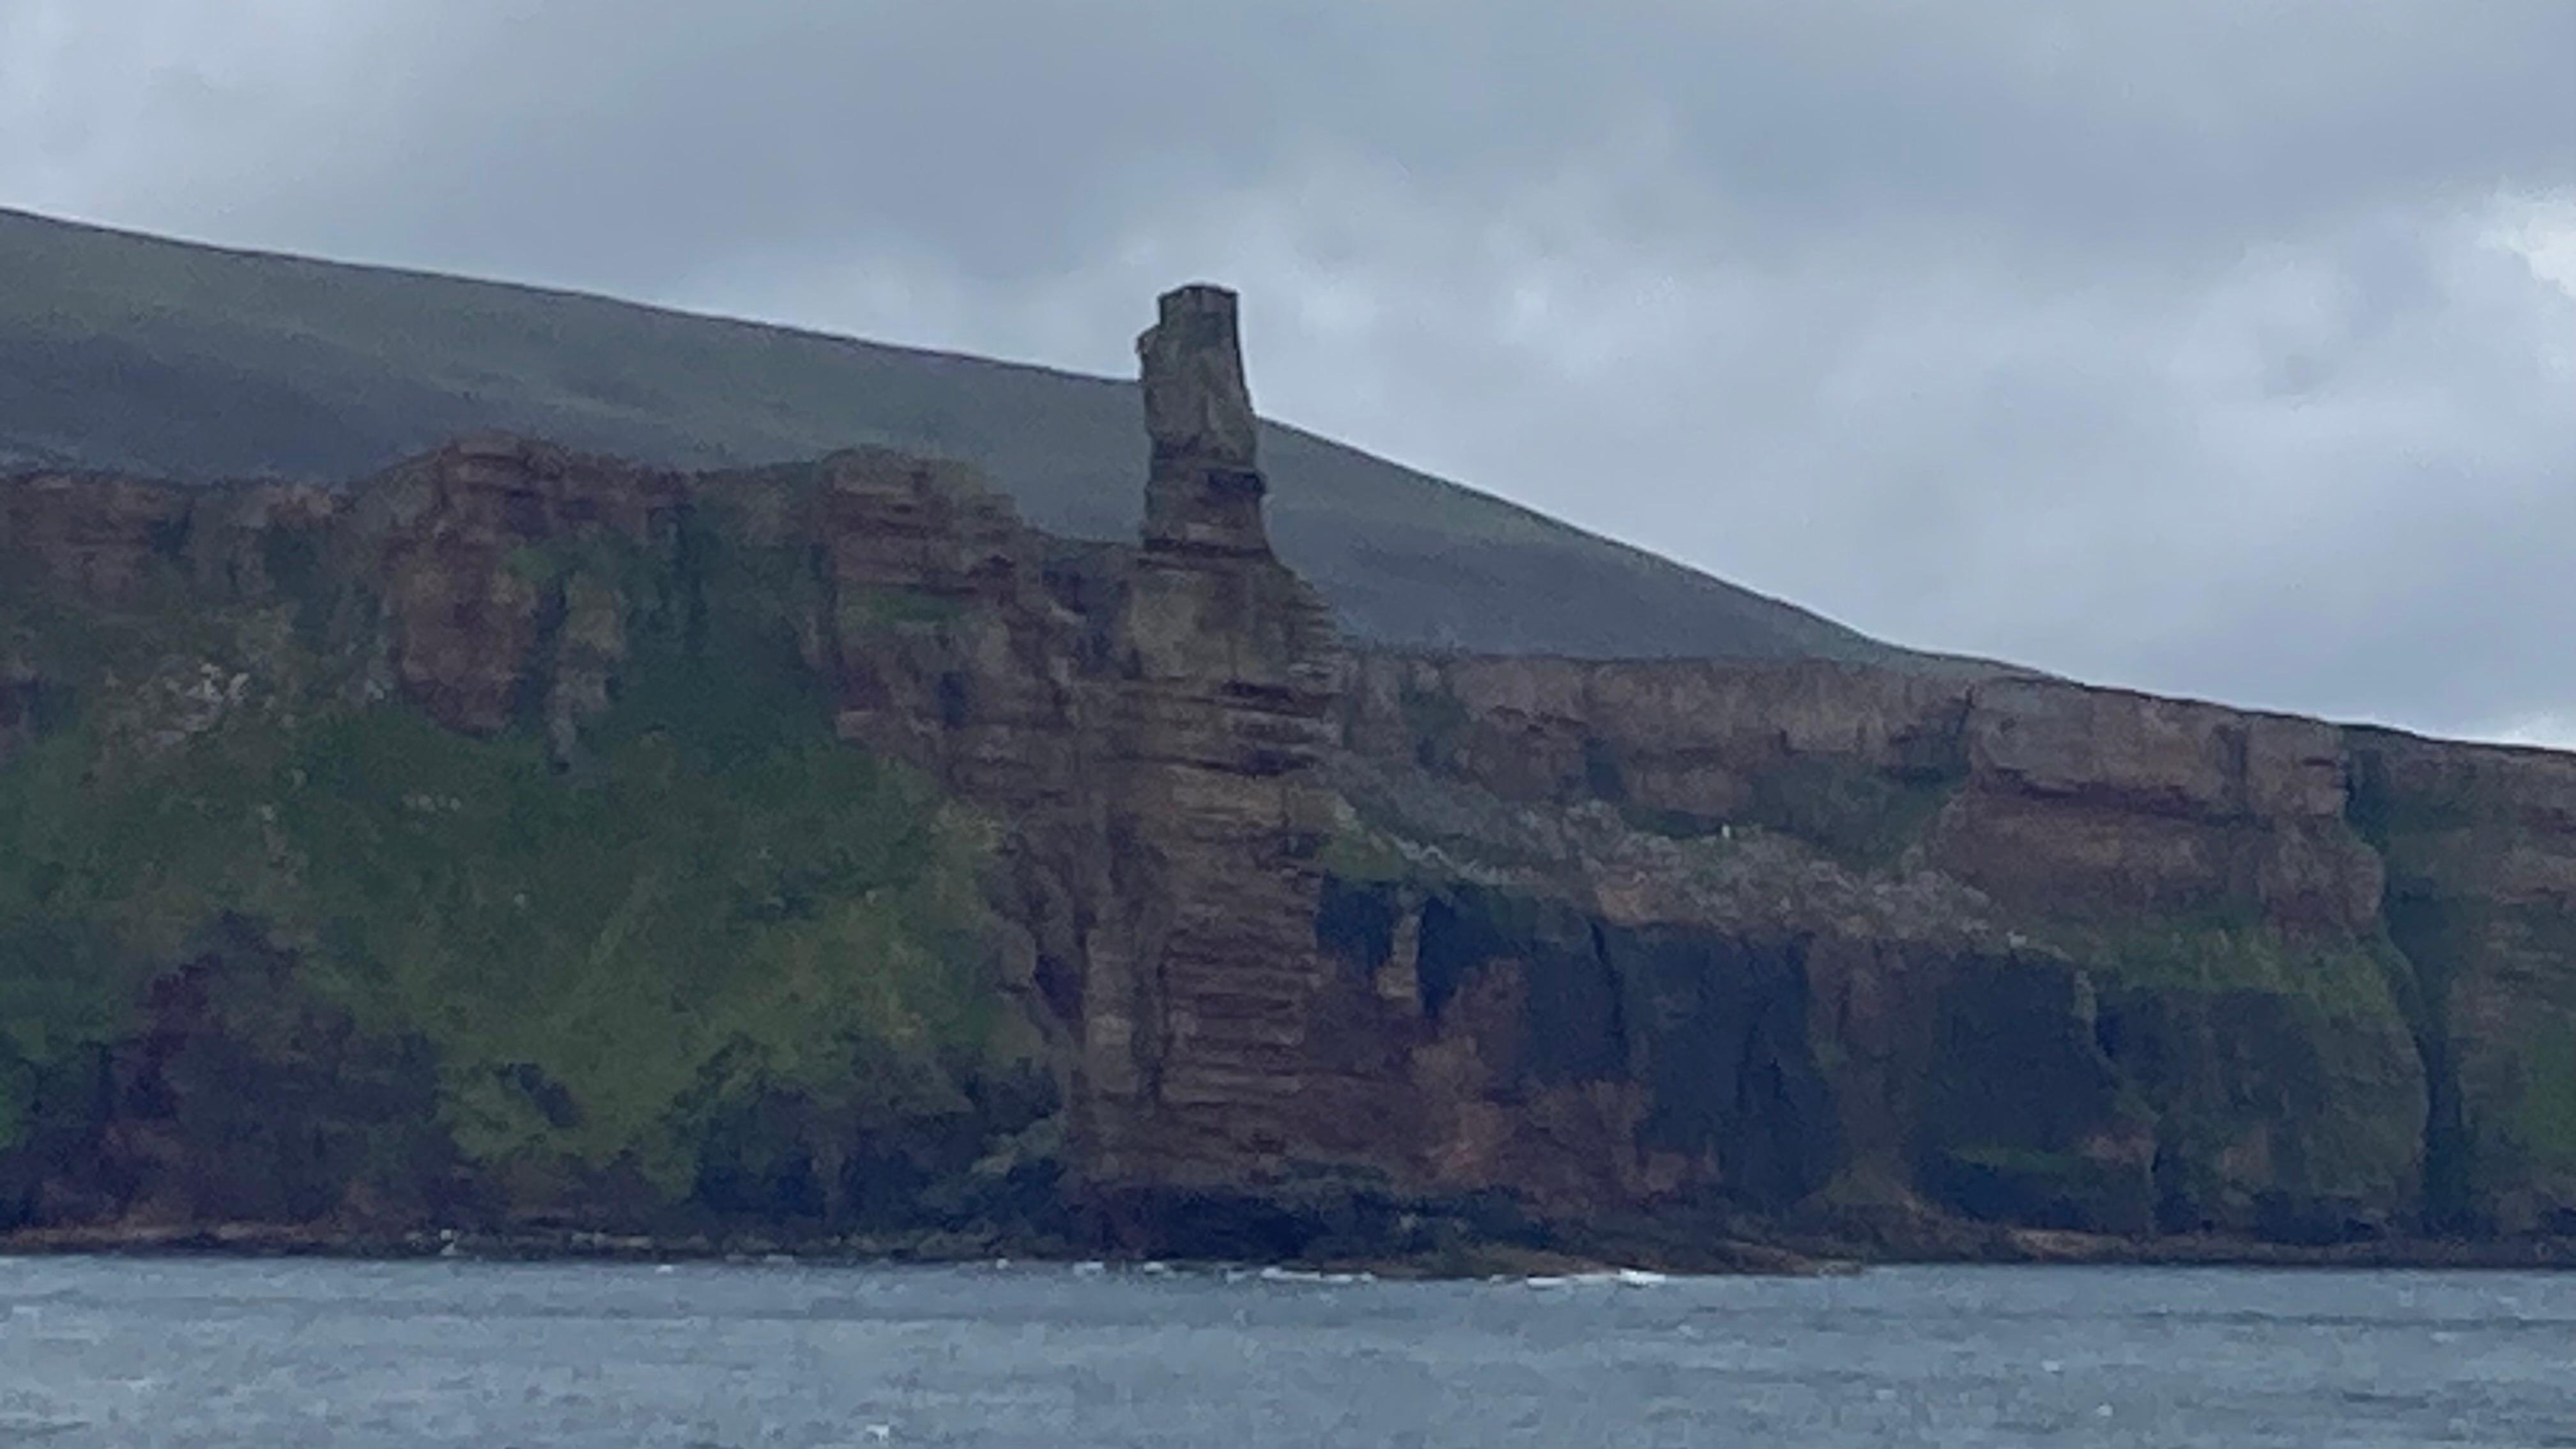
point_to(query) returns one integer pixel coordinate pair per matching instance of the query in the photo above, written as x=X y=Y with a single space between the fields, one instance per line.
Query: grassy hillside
x=137 y=354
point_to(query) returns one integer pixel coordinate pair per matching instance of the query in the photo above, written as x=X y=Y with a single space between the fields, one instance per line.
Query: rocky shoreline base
x=1789 y=1254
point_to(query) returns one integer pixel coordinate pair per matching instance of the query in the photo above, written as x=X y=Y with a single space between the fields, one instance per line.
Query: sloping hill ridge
x=138 y=354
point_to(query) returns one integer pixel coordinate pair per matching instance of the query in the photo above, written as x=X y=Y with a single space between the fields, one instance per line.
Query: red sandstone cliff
x=1598 y=938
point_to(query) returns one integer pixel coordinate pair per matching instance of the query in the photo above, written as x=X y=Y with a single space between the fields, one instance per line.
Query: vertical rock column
x=1196 y=1055
x=1203 y=491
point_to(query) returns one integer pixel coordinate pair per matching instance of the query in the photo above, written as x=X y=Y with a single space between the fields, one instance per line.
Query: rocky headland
x=524 y=847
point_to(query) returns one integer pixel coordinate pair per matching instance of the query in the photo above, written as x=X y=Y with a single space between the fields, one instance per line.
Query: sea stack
x=1203 y=493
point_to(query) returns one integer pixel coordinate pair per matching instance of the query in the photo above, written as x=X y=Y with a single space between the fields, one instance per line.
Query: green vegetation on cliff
x=2282 y=1074
x=2223 y=957
x=715 y=931
x=2544 y=1118
x=1862 y=819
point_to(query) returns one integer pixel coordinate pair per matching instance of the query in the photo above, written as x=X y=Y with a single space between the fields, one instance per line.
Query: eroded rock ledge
x=1170 y=922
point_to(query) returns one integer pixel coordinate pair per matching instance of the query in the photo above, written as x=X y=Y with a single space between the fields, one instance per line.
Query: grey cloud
x=1011 y=137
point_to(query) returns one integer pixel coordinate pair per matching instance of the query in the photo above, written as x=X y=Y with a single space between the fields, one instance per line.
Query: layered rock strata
x=1201 y=1068
x=1295 y=937
x=1877 y=943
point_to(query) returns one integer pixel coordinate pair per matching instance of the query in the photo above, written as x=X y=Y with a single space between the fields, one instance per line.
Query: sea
x=133 y=1353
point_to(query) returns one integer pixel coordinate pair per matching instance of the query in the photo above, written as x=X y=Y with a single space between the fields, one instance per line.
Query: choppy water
x=142 y=1353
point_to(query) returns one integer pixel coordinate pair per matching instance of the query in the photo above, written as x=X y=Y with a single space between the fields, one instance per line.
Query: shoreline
x=1789 y=1256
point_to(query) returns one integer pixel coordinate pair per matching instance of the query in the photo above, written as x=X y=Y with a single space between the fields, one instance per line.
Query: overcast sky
x=2217 y=347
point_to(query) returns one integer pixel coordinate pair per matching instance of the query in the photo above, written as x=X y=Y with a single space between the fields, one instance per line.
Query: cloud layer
x=2213 y=347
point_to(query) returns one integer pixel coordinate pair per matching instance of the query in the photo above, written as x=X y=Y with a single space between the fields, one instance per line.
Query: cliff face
x=525 y=837
x=924 y=855
x=2480 y=852
x=509 y=781
x=2012 y=949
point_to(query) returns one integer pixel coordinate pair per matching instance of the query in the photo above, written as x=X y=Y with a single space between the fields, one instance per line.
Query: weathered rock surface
x=2480 y=851
x=1202 y=1069
x=1308 y=946
x=2063 y=956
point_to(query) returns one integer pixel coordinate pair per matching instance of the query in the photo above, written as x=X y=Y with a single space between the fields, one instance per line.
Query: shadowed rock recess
x=520 y=842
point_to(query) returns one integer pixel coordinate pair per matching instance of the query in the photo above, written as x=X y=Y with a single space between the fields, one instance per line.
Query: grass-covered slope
x=274 y=947
x=130 y=353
